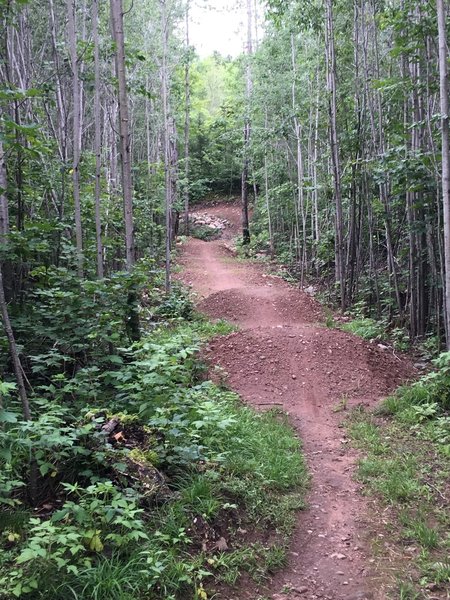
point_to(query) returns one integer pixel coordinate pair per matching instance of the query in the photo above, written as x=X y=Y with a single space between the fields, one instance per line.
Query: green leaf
x=6 y=454
x=45 y=468
x=122 y=467
x=116 y=360
x=6 y=387
x=8 y=417
x=26 y=555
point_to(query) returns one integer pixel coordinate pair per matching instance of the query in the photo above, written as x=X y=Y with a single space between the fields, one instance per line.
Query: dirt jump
x=284 y=356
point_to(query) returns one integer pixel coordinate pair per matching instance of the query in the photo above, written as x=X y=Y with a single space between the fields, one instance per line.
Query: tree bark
x=76 y=125
x=247 y=130
x=335 y=152
x=444 y=92
x=13 y=352
x=124 y=131
x=97 y=142
x=187 y=111
x=300 y=209
x=4 y=230
x=167 y=144
x=4 y=213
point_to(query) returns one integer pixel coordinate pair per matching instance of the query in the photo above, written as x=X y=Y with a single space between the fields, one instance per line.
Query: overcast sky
x=217 y=25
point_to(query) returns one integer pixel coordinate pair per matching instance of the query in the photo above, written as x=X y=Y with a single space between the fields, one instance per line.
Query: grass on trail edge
x=233 y=479
x=406 y=466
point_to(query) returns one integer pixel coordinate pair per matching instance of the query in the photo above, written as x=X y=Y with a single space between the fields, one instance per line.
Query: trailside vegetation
x=135 y=475
x=406 y=465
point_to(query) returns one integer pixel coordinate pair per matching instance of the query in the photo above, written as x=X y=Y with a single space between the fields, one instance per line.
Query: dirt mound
x=229 y=212
x=307 y=365
x=265 y=305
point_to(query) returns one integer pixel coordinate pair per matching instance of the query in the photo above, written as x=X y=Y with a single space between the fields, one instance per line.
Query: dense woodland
x=332 y=128
x=347 y=152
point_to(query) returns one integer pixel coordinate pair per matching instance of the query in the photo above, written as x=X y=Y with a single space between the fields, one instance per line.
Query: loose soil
x=284 y=356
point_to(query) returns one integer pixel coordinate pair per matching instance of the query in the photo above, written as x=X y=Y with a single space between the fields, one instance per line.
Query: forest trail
x=284 y=356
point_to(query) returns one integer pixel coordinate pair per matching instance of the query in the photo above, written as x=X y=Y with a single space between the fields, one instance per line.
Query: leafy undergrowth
x=143 y=480
x=364 y=327
x=406 y=464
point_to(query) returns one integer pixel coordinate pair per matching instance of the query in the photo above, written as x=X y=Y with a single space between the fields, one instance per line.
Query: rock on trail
x=284 y=355
x=207 y=220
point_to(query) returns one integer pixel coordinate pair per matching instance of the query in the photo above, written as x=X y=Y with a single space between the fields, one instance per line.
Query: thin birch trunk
x=335 y=152
x=444 y=93
x=76 y=125
x=4 y=212
x=167 y=151
x=247 y=130
x=97 y=141
x=300 y=174
x=187 y=111
x=124 y=130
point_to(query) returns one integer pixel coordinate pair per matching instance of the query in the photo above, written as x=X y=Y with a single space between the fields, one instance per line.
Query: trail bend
x=284 y=356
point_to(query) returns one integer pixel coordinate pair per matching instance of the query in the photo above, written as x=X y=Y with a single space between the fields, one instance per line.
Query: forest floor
x=284 y=356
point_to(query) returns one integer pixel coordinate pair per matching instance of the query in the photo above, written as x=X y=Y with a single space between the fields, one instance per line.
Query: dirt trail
x=283 y=356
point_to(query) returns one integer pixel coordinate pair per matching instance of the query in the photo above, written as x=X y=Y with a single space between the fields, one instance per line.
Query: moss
x=149 y=457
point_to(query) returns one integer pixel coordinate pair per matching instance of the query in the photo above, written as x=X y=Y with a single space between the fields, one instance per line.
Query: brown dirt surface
x=284 y=356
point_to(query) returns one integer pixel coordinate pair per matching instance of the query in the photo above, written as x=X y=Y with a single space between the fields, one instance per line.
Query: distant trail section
x=284 y=356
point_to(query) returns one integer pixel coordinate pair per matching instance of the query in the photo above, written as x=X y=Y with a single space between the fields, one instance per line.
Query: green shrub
x=366 y=328
x=102 y=536
x=427 y=398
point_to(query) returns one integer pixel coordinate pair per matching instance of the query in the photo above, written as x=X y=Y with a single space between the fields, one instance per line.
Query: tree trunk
x=187 y=110
x=444 y=92
x=247 y=129
x=14 y=352
x=124 y=130
x=300 y=209
x=269 y=216
x=335 y=152
x=4 y=213
x=97 y=141
x=4 y=230
x=76 y=124
x=167 y=143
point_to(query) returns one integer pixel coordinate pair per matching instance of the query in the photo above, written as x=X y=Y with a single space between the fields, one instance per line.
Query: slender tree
x=166 y=127
x=445 y=115
x=187 y=112
x=76 y=126
x=97 y=141
x=300 y=210
x=124 y=130
x=335 y=151
x=4 y=230
x=4 y=213
x=247 y=130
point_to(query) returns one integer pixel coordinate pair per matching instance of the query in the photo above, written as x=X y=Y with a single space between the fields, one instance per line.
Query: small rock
x=221 y=544
x=338 y=555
